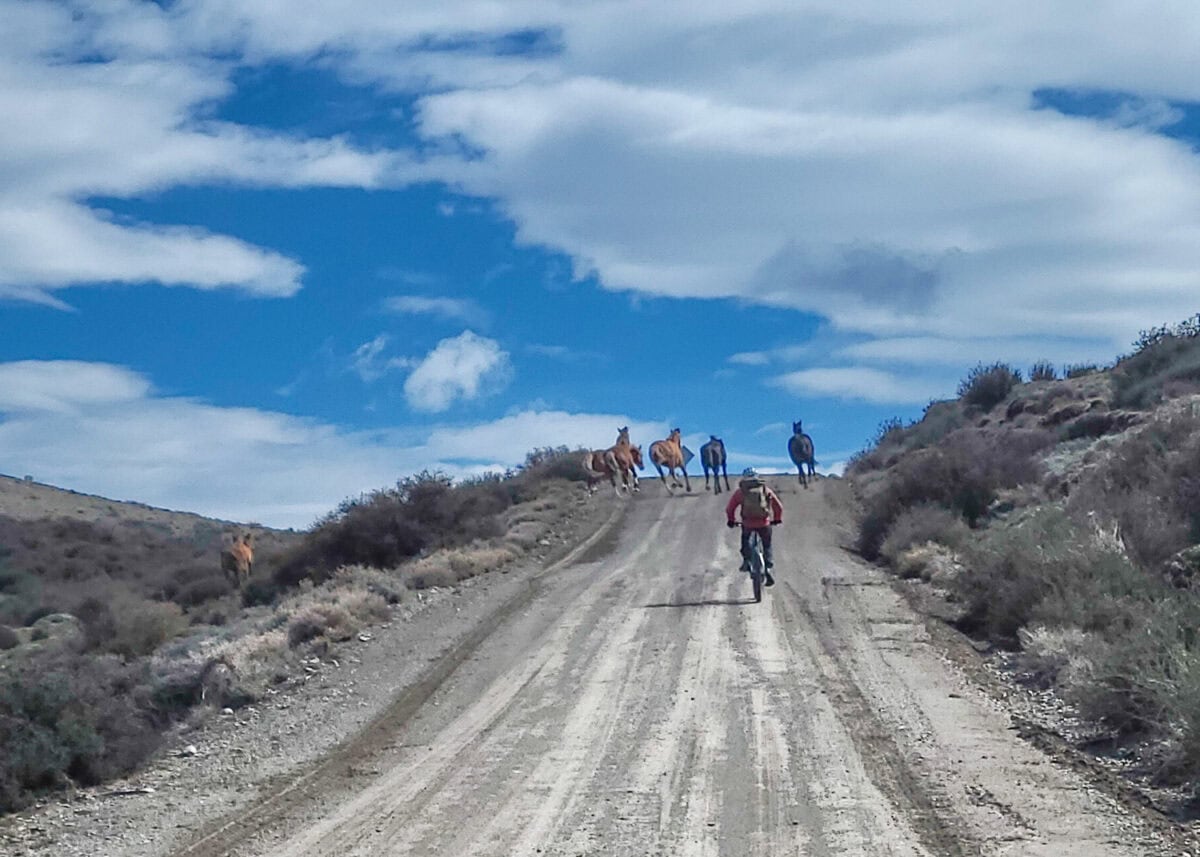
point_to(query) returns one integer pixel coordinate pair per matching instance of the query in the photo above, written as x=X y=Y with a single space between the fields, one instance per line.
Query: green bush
x=557 y=462
x=1150 y=486
x=894 y=440
x=128 y=625
x=1047 y=570
x=920 y=524
x=1042 y=370
x=71 y=717
x=424 y=512
x=987 y=386
x=962 y=474
x=1164 y=360
x=1079 y=370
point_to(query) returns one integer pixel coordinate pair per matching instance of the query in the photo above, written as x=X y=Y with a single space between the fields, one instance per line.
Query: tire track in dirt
x=282 y=796
x=640 y=705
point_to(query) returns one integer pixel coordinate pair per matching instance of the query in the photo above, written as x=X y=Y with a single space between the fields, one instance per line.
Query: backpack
x=754 y=499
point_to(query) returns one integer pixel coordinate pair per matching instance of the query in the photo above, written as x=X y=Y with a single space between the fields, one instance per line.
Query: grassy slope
x=1062 y=522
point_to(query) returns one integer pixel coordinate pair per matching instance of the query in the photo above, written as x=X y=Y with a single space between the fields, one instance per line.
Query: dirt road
x=640 y=705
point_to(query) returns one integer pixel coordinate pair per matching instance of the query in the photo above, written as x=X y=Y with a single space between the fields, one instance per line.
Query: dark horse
x=712 y=457
x=800 y=448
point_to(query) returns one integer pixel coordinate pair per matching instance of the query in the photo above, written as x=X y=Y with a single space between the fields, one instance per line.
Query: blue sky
x=256 y=257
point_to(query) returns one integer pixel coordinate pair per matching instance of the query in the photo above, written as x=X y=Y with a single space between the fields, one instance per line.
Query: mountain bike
x=758 y=564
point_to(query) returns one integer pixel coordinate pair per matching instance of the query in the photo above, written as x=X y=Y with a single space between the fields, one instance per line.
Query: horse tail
x=589 y=460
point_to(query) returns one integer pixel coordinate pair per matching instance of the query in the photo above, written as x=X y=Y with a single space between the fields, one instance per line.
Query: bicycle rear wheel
x=757 y=565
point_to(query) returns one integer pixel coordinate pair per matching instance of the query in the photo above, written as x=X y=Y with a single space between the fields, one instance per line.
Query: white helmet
x=750 y=473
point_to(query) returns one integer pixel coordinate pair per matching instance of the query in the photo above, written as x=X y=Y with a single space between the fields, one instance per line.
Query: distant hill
x=27 y=500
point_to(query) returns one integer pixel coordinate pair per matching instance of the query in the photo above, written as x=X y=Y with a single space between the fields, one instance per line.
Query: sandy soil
x=631 y=700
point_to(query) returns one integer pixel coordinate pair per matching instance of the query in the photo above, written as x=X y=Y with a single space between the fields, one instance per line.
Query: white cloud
x=65 y=386
x=750 y=358
x=786 y=354
x=370 y=363
x=773 y=428
x=864 y=384
x=107 y=99
x=963 y=353
x=459 y=309
x=509 y=438
x=459 y=368
x=887 y=166
x=59 y=244
x=99 y=428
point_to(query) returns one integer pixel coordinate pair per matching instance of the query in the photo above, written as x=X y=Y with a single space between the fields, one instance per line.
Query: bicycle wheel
x=757 y=565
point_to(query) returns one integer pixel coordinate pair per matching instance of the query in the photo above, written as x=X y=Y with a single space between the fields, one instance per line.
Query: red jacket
x=772 y=499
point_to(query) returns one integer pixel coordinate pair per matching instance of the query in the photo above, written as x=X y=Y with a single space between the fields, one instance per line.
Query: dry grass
x=445 y=568
x=1056 y=656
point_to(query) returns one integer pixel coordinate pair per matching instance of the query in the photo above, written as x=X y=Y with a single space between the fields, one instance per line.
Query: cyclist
x=761 y=510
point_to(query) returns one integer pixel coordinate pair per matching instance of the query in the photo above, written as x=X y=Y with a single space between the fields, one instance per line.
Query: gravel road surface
x=639 y=703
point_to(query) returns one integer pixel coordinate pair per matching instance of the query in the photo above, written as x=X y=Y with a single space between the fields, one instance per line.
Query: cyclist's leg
x=765 y=533
x=745 y=549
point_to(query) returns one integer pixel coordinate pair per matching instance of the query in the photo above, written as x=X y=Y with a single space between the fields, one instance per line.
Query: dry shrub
x=1149 y=484
x=1080 y=370
x=72 y=716
x=1047 y=569
x=316 y=620
x=445 y=568
x=1056 y=656
x=1042 y=370
x=334 y=612
x=128 y=625
x=8 y=638
x=1163 y=357
x=1093 y=424
x=469 y=563
x=987 y=386
x=962 y=474
x=431 y=578
x=893 y=440
x=388 y=585
x=254 y=653
x=524 y=536
x=916 y=561
x=1145 y=680
x=920 y=524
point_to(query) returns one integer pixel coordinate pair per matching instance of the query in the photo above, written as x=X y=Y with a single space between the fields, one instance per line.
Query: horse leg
x=663 y=478
x=726 y=472
x=686 y=480
x=705 y=466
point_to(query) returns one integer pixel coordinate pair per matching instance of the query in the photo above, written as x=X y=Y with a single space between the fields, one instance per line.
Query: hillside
x=1058 y=521
x=117 y=623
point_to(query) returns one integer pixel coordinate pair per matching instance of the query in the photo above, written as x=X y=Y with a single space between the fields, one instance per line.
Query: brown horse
x=802 y=452
x=619 y=459
x=237 y=559
x=669 y=454
x=712 y=457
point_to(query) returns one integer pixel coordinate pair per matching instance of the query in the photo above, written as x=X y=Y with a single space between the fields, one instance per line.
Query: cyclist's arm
x=776 y=508
x=735 y=500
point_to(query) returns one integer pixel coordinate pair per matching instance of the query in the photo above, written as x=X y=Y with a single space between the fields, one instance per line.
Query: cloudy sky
x=256 y=257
